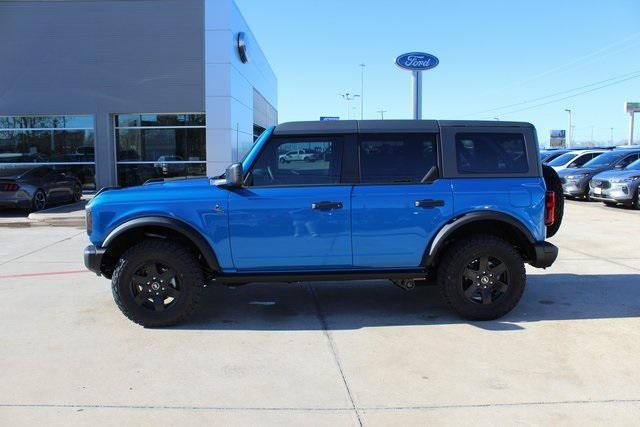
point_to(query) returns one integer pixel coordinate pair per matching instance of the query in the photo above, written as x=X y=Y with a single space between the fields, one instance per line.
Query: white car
x=299 y=155
x=574 y=159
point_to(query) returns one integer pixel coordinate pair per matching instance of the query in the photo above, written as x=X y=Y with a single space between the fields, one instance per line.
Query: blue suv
x=457 y=203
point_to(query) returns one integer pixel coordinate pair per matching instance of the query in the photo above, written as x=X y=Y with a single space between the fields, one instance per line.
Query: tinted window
x=605 y=159
x=580 y=161
x=561 y=160
x=634 y=166
x=299 y=161
x=491 y=153
x=627 y=161
x=396 y=158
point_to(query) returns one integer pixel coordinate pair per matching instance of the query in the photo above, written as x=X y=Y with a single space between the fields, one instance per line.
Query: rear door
x=395 y=214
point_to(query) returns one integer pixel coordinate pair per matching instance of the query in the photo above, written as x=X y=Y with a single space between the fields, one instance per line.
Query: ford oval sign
x=417 y=61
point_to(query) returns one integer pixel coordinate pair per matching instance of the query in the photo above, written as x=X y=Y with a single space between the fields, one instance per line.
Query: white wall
x=229 y=84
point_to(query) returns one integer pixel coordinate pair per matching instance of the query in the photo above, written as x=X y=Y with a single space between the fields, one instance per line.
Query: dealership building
x=118 y=92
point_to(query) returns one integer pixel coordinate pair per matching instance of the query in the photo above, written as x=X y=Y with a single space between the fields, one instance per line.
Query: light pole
x=570 y=130
x=349 y=97
x=382 y=114
x=362 y=66
x=611 y=136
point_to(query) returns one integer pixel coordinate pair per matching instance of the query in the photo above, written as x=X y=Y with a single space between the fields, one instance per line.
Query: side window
x=299 y=161
x=396 y=157
x=627 y=161
x=491 y=153
x=583 y=159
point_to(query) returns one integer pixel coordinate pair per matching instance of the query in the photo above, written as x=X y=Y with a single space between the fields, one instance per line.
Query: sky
x=495 y=55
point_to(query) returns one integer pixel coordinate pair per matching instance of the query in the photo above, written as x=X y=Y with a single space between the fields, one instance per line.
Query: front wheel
x=481 y=277
x=39 y=201
x=157 y=283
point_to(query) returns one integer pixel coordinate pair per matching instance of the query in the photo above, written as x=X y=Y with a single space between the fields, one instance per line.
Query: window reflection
x=159 y=146
x=66 y=143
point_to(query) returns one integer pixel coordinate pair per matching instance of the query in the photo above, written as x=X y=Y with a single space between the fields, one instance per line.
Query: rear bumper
x=545 y=254
x=93 y=258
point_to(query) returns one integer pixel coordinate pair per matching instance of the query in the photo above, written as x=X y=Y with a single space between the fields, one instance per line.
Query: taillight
x=9 y=187
x=549 y=208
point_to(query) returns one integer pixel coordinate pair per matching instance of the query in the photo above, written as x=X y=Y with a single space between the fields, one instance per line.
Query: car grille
x=599 y=183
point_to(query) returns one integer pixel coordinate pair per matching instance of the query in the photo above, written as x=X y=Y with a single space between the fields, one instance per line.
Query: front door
x=293 y=214
x=396 y=208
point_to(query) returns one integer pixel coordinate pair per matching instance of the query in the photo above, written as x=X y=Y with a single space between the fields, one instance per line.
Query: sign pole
x=630 y=142
x=417 y=95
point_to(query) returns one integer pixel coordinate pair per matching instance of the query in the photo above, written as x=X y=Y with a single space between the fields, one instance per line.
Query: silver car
x=619 y=186
x=34 y=188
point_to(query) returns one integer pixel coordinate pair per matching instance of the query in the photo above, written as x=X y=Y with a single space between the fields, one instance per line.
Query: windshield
x=603 y=160
x=634 y=166
x=561 y=160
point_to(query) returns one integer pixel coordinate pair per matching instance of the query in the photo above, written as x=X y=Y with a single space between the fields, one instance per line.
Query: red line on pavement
x=51 y=273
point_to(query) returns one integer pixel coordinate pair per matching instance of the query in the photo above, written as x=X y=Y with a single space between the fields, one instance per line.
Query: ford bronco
x=460 y=204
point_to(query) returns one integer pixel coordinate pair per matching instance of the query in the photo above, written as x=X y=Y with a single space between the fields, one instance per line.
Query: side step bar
x=315 y=276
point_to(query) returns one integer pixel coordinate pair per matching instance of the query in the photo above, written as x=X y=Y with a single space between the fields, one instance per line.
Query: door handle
x=429 y=203
x=325 y=206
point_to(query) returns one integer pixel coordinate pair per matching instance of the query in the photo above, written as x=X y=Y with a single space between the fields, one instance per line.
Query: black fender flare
x=449 y=228
x=173 y=224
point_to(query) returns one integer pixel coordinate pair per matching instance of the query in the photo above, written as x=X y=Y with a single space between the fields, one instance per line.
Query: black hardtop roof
x=396 y=126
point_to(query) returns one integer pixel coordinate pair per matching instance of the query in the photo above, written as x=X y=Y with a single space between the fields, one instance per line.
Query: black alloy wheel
x=485 y=280
x=481 y=277
x=155 y=286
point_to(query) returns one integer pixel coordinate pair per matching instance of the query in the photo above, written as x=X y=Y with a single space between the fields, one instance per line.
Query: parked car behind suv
x=458 y=203
x=551 y=153
x=573 y=159
x=34 y=188
x=575 y=181
x=618 y=186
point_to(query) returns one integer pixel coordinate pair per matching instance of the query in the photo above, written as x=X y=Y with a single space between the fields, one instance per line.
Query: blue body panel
x=276 y=228
x=521 y=198
x=389 y=231
x=191 y=201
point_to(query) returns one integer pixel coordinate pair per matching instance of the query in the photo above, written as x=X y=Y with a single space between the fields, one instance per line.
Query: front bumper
x=545 y=254
x=616 y=193
x=575 y=188
x=93 y=259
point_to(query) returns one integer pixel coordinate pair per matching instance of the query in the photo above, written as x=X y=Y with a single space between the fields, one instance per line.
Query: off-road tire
x=178 y=257
x=456 y=259
x=552 y=180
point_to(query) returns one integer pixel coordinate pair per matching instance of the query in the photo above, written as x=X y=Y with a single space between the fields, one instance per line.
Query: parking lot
x=326 y=353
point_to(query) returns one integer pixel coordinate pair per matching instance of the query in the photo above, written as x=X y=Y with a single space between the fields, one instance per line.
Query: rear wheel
x=157 y=283
x=553 y=183
x=481 y=277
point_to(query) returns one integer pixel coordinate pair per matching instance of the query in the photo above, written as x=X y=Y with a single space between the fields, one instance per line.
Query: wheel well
x=504 y=230
x=135 y=235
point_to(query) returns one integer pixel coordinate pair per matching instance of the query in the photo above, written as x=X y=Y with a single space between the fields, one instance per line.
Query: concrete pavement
x=326 y=353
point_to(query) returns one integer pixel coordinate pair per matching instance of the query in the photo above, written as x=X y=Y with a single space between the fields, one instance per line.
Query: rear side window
x=396 y=158
x=491 y=153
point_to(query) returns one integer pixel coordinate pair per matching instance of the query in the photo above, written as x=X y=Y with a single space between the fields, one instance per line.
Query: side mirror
x=233 y=177
x=619 y=166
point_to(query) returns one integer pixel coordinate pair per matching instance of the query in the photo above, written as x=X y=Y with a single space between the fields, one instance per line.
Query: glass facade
x=66 y=143
x=159 y=146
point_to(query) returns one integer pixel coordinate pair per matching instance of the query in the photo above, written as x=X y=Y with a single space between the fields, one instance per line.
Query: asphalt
x=360 y=353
